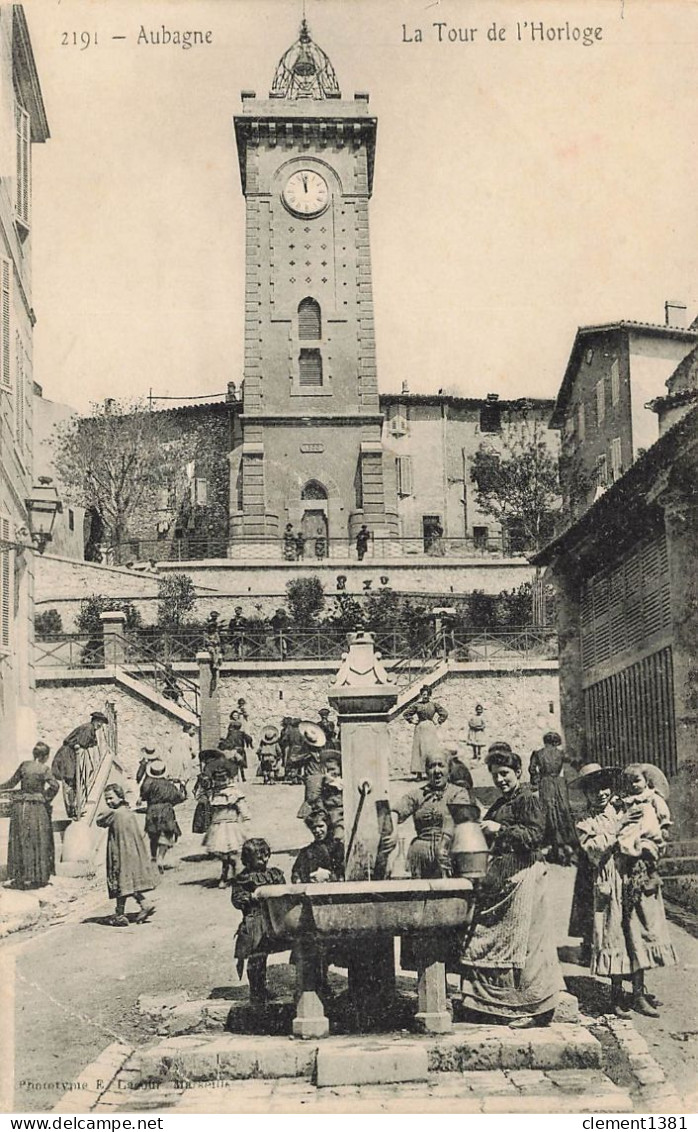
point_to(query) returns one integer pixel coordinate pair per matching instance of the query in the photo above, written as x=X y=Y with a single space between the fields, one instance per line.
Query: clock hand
x=305 y=183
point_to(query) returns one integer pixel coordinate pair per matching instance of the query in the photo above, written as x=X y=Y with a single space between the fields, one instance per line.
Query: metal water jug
x=469 y=847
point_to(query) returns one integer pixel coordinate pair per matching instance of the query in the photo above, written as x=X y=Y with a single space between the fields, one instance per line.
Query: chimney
x=405 y=387
x=492 y=397
x=231 y=394
x=675 y=314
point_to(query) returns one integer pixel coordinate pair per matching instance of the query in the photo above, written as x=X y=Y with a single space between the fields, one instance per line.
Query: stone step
x=480 y=1091
x=562 y=1046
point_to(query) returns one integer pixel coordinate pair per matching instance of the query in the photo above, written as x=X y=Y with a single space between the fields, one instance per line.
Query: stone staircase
x=146 y=692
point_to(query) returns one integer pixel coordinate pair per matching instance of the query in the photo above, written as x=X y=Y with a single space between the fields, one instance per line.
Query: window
x=404 y=475
x=615 y=382
x=480 y=537
x=398 y=425
x=616 y=460
x=589 y=357
x=569 y=425
x=314 y=490
x=5 y=277
x=22 y=202
x=309 y=321
x=601 y=471
x=6 y=599
x=200 y=491
x=600 y=401
x=19 y=395
x=310 y=368
x=581 y=422
x=71 y=519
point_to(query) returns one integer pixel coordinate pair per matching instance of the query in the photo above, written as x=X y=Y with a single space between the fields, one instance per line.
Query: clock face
x=306 y=193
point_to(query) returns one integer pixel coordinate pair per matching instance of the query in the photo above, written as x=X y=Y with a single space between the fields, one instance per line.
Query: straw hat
x=156 y=768
x=594 y=776
x=312 y=734
x=270 y=734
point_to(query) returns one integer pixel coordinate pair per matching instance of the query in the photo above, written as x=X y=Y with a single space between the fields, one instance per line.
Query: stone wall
x=61 y=706
x=517 y=708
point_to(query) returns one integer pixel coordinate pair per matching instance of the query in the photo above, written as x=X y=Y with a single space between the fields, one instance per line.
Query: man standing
x=327 y=726
x=362 y=541
x=66 y=764
x=236 y=633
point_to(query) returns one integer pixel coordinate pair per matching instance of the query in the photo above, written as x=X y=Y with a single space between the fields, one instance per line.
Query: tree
x=116 y=462
x=306 y=599
x=176 y=598
x=519 y=485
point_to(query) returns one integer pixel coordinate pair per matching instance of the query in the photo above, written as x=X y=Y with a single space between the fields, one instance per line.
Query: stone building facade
x=628 y=609
x=22 y=124
x=603 y=409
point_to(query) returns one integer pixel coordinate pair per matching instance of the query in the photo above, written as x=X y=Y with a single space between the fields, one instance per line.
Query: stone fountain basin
x=355 y=908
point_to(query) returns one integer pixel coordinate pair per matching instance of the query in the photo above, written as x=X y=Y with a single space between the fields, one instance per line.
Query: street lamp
x=42 y=507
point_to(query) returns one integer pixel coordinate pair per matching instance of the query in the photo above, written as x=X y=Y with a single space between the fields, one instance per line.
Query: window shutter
x=5 y=598
x=601 y=471
x=23 y=125
x=309 y=321
x=616 y=461
x=600 y=401
x=310 y=367
x=615 y=382
x=201 y=492
x=19 y=395
x=581 y=422
x=5 y=367
x=404 y=475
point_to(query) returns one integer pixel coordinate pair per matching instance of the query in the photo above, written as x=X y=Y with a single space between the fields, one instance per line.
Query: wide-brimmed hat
x=148 y=750
x=593 y=776
x=312 y=733
x=270 y=734
x=156 y=768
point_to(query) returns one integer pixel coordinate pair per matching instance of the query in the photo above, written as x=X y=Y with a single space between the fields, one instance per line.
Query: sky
x=522 y=188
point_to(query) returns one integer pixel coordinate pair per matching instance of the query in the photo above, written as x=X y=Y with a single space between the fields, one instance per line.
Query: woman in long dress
x=630 y=930
x=545 y=772
x=31 y=854
x=428 y=805
x=426 y=715
x=510 y=967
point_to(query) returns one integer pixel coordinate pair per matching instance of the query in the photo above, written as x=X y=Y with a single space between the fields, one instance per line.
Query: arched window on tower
x=309 y=321
x=314 y=490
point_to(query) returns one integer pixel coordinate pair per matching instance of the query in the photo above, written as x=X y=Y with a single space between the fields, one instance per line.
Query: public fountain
x=362 y=915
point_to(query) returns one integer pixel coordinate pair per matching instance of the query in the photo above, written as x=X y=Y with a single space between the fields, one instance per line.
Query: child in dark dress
x=323 y=859
x=129 y=871
x=251 y=943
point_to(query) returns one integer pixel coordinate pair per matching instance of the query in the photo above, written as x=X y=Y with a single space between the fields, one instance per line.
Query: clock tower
x=307 y=446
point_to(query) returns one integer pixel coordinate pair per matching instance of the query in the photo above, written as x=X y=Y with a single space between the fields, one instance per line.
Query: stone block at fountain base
x=371 y=1063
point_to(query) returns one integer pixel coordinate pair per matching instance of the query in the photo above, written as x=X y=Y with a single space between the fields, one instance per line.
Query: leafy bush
x=48 y=624
x=306 y=600
x=176 y=598
x=88 y=619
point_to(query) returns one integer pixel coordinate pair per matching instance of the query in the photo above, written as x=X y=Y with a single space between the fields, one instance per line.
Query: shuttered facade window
x=404 y=475
x=616 y=459
x=628 y=607
x=23 y=199
x=20 y=392
x=309 y=321
x=310 y=368
x=581 y=422
x=5 y=306
x=5 y=584
x=615 y=382
x=629 y=716
x=600 y=401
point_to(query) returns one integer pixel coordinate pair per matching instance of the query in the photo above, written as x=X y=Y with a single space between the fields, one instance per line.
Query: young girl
x=229 y=819
x=269 y=755
x=129 y=872
x=251 y=944
x=630 y=932
x=323 y=859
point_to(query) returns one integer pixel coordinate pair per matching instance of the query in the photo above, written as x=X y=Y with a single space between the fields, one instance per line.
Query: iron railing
x=151 y=652
x=141 y=552
x=144 y=662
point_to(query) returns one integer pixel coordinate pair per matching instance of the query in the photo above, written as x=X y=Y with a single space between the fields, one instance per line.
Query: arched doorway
x=314 y=524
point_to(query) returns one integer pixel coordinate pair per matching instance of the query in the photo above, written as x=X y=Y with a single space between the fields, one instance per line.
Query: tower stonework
x=307 y=449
